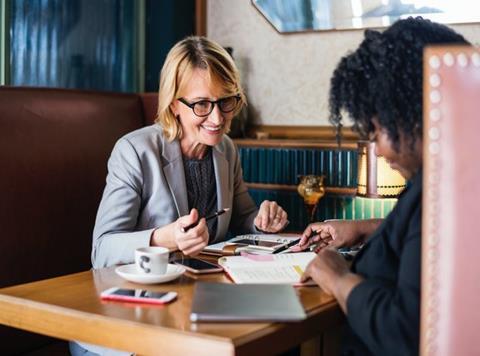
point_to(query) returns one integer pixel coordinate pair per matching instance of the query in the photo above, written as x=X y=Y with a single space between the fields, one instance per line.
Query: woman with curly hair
x=380 y=87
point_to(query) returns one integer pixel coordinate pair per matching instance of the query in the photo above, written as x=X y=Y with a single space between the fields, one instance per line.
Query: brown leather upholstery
x=150 y=104
x=54 y=146
x=451 y=200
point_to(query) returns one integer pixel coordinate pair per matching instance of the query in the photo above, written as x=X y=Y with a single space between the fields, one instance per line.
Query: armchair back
x=451 y=202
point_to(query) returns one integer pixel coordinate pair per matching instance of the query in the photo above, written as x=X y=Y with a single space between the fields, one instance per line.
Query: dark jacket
x=384 y=310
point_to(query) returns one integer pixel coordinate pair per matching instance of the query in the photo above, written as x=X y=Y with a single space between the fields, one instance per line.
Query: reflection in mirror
x=315 y=15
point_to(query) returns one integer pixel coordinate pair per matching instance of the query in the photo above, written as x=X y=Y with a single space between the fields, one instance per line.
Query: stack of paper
x=267 y=269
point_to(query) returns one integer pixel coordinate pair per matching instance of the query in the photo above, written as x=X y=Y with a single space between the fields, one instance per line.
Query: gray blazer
x=146 y=189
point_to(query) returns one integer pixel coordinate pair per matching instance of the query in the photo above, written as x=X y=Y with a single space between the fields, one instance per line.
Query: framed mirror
x=288 y=16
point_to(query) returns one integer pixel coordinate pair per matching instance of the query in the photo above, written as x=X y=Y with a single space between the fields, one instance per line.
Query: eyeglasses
x=203 y=108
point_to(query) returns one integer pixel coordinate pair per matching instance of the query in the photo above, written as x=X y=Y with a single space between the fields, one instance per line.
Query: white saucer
x=129 y=272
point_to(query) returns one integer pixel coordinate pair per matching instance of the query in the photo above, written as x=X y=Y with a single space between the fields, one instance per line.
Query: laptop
x=223 y=302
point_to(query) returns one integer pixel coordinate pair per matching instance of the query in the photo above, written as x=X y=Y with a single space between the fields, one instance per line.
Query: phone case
x=106 y=295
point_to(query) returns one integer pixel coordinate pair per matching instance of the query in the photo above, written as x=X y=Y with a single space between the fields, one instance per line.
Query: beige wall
x=286 y=76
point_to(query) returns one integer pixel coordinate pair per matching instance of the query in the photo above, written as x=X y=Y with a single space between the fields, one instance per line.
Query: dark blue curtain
x=167 y=21
x=85 y=44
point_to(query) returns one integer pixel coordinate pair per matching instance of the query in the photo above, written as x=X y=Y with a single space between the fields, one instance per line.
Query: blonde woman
x=174 y=173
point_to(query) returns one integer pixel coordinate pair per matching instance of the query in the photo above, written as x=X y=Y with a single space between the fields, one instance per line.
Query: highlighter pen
x=214 y=215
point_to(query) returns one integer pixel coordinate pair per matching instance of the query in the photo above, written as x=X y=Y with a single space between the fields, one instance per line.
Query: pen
x=317 y=232
x=313 y=234
x=214 y=215
x=286 y=246
x=315 y=246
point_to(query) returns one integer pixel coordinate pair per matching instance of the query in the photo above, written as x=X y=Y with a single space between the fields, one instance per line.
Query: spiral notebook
x=257 y=243
x=223 y=302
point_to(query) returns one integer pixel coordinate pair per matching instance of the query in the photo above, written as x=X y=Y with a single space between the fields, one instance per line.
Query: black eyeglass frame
x=213 y=103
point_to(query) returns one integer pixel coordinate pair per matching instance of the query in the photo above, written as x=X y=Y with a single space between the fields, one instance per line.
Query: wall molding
x=325 y=133
x=295 y=143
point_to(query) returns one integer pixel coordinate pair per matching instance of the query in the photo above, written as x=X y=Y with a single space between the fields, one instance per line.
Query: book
x=229 y=302
x=254 y=243
x=267 y=269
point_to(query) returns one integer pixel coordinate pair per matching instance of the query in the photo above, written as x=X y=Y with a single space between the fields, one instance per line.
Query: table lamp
x=375 y=177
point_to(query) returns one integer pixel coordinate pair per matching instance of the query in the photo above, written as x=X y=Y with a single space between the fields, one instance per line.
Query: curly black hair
x=382 y=79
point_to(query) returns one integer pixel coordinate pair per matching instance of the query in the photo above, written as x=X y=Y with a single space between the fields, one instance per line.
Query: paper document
x=258 y=243
x=269 y=269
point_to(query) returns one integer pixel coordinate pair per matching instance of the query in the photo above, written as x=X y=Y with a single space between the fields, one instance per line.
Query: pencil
x=210 y=217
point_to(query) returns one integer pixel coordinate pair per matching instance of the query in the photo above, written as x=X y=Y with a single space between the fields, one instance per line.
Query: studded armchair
x=451 y=202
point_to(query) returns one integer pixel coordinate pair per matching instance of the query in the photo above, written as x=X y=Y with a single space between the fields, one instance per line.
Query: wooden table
x=69 y=308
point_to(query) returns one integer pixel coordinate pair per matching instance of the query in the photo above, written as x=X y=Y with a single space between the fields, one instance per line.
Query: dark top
x=383 y=311
x=202 y=188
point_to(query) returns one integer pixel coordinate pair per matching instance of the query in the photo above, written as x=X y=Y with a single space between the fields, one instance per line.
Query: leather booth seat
x=54 y=147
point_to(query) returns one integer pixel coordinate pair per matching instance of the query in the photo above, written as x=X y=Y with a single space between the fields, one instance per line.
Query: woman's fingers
x=271 y=209
x=282 y=220
x=320 y=246
x=305 y=240
x=263 y=215
x=189 y=242
x=195 y=249
x=308 y=239
x=307 y=273
x=193 y=245
x=271 y=217
x=278 y=223
x=188 y=220
x=193 y=240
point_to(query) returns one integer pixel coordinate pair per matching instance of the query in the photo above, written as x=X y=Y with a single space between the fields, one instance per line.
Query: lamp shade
x=375 y=177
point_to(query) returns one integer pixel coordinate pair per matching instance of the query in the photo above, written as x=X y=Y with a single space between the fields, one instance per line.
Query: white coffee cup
x=151 y=260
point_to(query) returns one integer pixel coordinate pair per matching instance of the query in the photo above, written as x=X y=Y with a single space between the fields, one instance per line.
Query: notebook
x=267 y=269
x=223 y=302
x=257 y=243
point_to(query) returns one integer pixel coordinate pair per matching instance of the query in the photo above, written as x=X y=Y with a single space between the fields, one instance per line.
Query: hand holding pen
x=189 y=233
x=335 y=233
x=316 y=236
x=214 y=215
x=195 y=238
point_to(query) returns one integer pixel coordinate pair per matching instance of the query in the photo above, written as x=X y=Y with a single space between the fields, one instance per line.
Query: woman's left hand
x=326 y=269
x=271 y=217
x=330 y=271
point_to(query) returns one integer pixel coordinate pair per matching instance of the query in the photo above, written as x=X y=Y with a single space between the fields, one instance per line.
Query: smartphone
x=138 y=296
x=196 y=265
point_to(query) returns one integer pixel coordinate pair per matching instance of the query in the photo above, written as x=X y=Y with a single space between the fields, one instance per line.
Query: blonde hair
x=192 y=53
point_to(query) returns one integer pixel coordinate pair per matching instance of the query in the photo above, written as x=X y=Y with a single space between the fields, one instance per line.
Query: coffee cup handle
x=144 y=259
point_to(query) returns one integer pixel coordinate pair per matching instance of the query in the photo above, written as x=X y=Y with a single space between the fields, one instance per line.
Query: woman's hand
x=325 y=269
x=192 y=241
x=330 y=271
x=336 y=233
x=271 y=217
